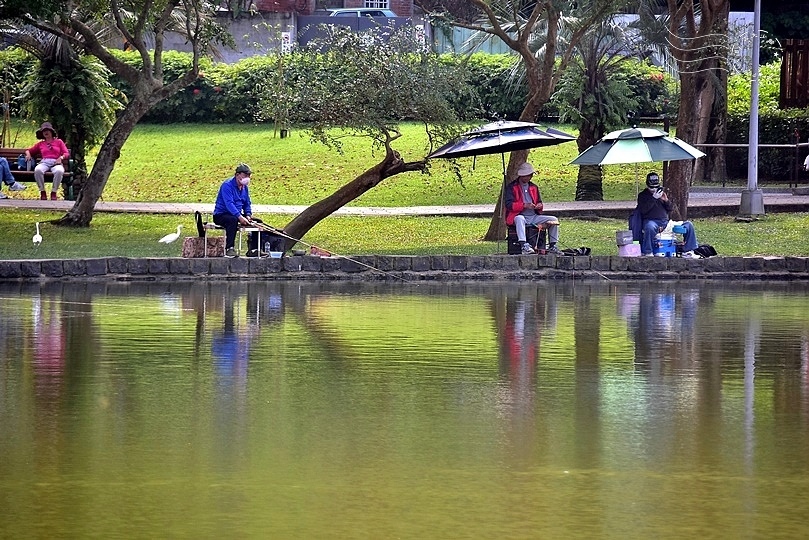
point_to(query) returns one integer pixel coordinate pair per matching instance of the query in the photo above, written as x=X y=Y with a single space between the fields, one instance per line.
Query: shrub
x=774 y=127
x=232 y=92
x=16 y=66
x=768 y=92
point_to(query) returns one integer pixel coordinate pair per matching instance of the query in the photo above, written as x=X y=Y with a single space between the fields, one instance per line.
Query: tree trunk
x=77 y=144
x=697 y=87
x=714 y=167
x=589 y=185
x=81 y=214
x=391 y=165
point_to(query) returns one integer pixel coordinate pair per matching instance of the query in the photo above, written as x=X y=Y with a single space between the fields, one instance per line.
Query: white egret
x=37 y=237
x=169 y=238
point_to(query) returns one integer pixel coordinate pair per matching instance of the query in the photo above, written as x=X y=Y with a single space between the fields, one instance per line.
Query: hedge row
x=230 y=92
x=786 y=126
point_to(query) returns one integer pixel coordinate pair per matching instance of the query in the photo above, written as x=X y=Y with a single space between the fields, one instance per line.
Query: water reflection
x=431 y=410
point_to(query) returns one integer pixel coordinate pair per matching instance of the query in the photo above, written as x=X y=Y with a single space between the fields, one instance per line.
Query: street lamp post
x=752 y=203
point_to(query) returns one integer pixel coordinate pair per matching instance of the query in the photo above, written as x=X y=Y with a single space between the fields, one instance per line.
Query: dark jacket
x=513 y=200
x=651 y=208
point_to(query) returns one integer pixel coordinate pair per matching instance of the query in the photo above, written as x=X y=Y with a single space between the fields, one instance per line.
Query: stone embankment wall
x=409 y=268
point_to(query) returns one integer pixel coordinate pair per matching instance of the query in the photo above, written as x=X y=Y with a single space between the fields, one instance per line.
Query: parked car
x=361 y=12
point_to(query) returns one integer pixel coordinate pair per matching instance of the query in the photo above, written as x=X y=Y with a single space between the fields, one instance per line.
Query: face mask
x=244 y=181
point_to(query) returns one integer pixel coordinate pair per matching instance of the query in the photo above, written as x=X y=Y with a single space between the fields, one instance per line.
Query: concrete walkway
x=702 y=203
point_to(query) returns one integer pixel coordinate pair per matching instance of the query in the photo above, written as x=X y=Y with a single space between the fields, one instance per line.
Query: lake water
x=335 y=410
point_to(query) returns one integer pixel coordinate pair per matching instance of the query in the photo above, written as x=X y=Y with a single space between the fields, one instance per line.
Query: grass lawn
x=136 y=235
x=187 y=163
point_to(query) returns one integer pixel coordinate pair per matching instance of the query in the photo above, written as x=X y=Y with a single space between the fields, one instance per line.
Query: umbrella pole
x=502 y=198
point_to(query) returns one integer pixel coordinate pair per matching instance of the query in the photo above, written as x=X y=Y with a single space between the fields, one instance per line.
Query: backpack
x=636 y=225
x=705 y=251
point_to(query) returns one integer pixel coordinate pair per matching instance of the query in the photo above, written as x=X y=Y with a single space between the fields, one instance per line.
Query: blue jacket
x=232 y=200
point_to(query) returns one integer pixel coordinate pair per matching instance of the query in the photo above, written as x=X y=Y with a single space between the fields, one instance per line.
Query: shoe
x=43 y=196
x=257 y=253
x=16 y=186
x=53 y=196
x=230 y=252
x=647 y=254
x=689 y=255
x=527 y=249
x=660 y=254
x=3 y=195
x=554 y=250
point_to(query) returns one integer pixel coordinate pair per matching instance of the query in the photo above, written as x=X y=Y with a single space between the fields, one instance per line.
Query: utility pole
x=752 y=203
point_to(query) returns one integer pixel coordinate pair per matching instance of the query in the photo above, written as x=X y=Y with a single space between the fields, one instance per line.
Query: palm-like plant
x=142 y=26
x=74 y=93
x=544 y=34
x=595 y=94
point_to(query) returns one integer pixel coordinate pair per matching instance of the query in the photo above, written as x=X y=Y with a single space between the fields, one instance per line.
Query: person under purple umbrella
x=523 y=204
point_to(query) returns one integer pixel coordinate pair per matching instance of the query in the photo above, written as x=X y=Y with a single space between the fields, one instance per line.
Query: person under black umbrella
x=523 y=204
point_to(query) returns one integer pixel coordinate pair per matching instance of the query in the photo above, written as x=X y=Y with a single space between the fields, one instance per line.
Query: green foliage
x=41 y=8
x=785 y=23
x=195 y=103
x=654 y=89
x=233 y=92
x=77 y=94
x=601 y=99
x=366 y=83
x=778 y=126
x=739 y=86
x=15 y=67
x=489 y=75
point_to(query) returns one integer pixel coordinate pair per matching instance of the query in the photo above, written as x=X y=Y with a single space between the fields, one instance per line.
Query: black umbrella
x=499 y=138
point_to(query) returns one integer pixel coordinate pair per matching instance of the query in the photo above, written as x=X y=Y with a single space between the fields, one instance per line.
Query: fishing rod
x=270 y=229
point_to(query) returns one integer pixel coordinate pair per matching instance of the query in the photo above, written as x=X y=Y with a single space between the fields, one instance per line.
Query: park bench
x=12 y=154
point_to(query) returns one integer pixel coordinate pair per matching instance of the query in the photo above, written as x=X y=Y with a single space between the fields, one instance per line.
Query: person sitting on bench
x=523 y=204
x=8 y=178
x=54 y=153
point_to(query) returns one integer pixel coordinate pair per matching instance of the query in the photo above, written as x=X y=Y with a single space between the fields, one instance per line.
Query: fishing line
x=568 y=247
x=273 y=230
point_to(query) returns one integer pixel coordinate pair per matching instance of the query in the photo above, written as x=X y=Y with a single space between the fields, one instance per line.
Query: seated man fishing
x=523 y=204
x=654 y=207
x=233 y=209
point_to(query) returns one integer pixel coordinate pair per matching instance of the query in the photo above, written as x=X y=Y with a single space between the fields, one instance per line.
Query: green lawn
x=188 y=162
x=136 y=235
